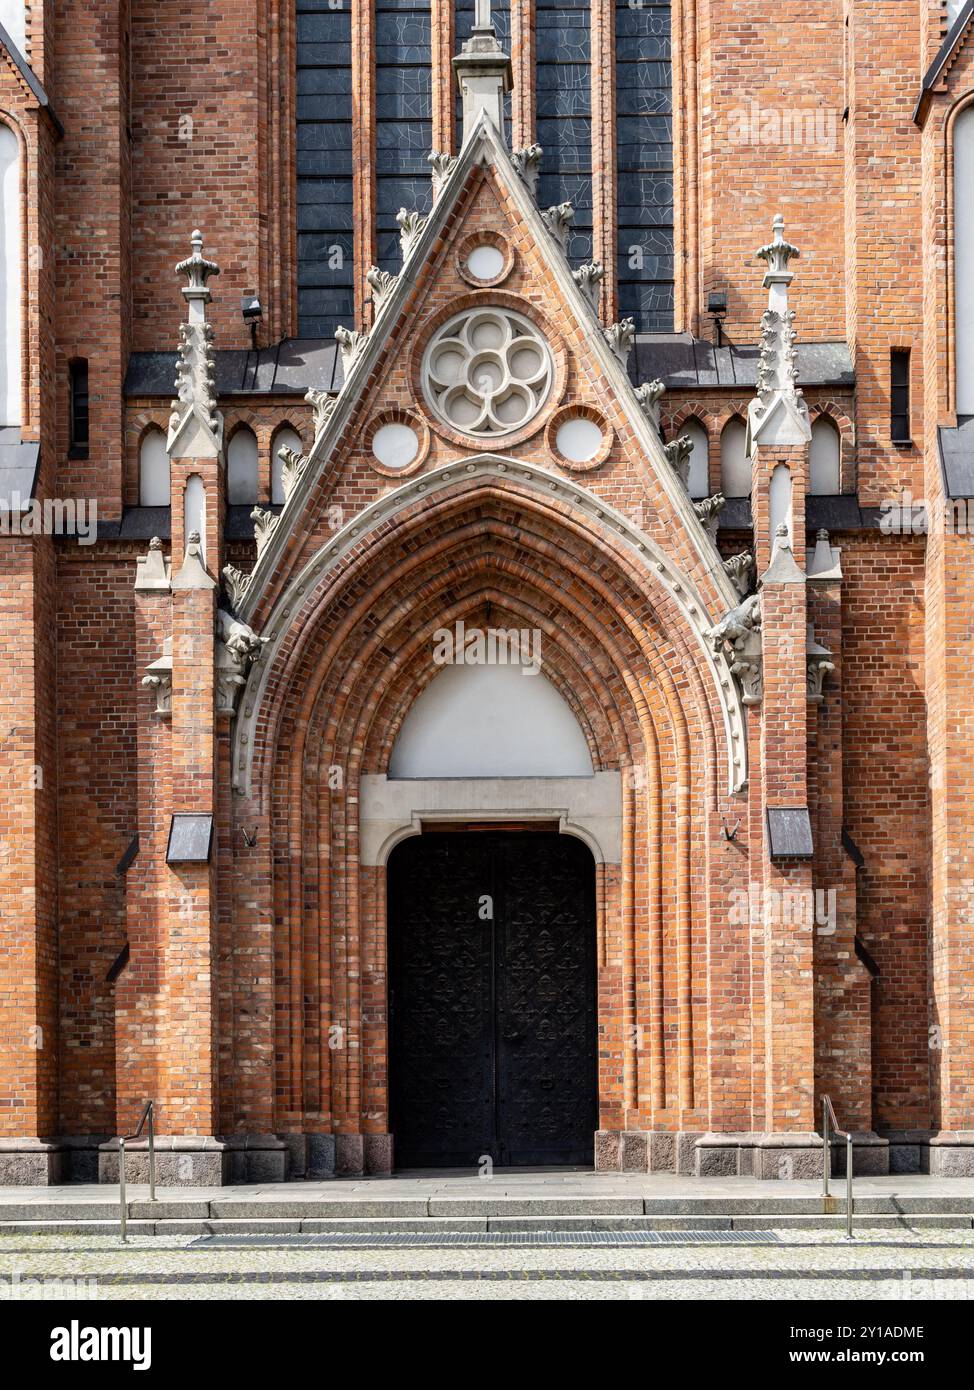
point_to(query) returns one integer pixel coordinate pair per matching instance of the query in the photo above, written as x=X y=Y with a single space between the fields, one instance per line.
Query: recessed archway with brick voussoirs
x=493 y=554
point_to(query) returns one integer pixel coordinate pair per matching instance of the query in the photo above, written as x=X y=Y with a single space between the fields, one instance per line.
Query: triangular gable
x=364 y=353
x=947 y=55
x=25 y=75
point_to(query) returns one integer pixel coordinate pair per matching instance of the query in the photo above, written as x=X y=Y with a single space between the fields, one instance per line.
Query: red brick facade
x=247 y=995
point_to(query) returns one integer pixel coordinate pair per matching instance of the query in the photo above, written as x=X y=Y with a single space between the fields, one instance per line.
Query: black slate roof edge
x=27 y=73
x=932 y=75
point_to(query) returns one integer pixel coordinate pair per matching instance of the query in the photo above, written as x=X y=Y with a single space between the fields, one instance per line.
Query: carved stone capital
x=237 y=649
x=819 y=664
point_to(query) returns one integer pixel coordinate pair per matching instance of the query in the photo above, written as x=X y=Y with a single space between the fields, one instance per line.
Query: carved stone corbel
x=237 y=648
x=818 y=664
x=738 y=637
x=158 y=678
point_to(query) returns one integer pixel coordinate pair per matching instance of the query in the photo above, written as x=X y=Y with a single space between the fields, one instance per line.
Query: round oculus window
x=487 y=372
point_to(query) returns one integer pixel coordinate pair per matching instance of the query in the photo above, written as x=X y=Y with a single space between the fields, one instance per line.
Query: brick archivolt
x=618 y=648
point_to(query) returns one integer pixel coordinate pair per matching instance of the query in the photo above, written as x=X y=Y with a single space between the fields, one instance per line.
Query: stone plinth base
x=257 y=1158
x=32 y=1162
x=951 y=1154
x=181 y=1161
x=310 y=1156
x=644 y=1151
x=363 y=1154
x=786 y=1156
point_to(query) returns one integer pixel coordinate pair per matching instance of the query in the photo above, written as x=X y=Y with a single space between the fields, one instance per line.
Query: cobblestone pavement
x=896 y=1265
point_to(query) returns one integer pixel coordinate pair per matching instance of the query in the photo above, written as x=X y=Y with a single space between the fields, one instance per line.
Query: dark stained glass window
x=644 y=163
x=324 y=172
x=404 y=118
x=564 y=114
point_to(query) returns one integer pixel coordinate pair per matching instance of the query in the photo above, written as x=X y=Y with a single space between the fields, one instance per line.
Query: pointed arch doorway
x=492 y=998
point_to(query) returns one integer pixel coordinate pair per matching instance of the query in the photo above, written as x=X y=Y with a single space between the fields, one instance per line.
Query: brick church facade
x=486 y=671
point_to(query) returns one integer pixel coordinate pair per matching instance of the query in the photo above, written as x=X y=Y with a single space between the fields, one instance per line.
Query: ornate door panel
x=492 y=999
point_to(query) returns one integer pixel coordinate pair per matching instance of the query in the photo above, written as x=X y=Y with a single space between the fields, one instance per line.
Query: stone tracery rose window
x=487 y=372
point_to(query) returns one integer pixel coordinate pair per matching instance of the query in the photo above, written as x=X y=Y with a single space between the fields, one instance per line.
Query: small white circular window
x=487 y=372
x=395 y=445
x=485 y=262
x=578 y=440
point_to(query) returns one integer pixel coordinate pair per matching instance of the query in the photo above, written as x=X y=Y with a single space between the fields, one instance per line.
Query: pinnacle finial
x=197 y=270
x=777 y=253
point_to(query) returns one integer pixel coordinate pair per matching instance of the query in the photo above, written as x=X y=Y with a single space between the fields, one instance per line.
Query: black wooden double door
x=492 y=994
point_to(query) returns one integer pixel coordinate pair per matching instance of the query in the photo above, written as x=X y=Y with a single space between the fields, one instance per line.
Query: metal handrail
x=830 y=1127
x=147 y=1114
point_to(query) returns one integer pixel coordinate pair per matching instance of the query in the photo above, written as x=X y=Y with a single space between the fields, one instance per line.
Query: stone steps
x=265 y=1216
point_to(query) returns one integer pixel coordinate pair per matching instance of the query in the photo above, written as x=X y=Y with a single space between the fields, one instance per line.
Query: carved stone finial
x=649 y=394
x=739 y=568
x=777 y=254
x=738 y=638
x=151 y=571
x=411 y=225
x=824 y=563
x=527 y=162
x=195 y=424
x=558 y=219
x=783 y=568
x=678 y=453
x=383 y=282
x=589 y=278
x=198 y=270
x=620 y=338
x=778 y=415
x=442 y=166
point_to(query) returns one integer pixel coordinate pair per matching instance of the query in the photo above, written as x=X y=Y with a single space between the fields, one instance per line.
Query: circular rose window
x=487 y=372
